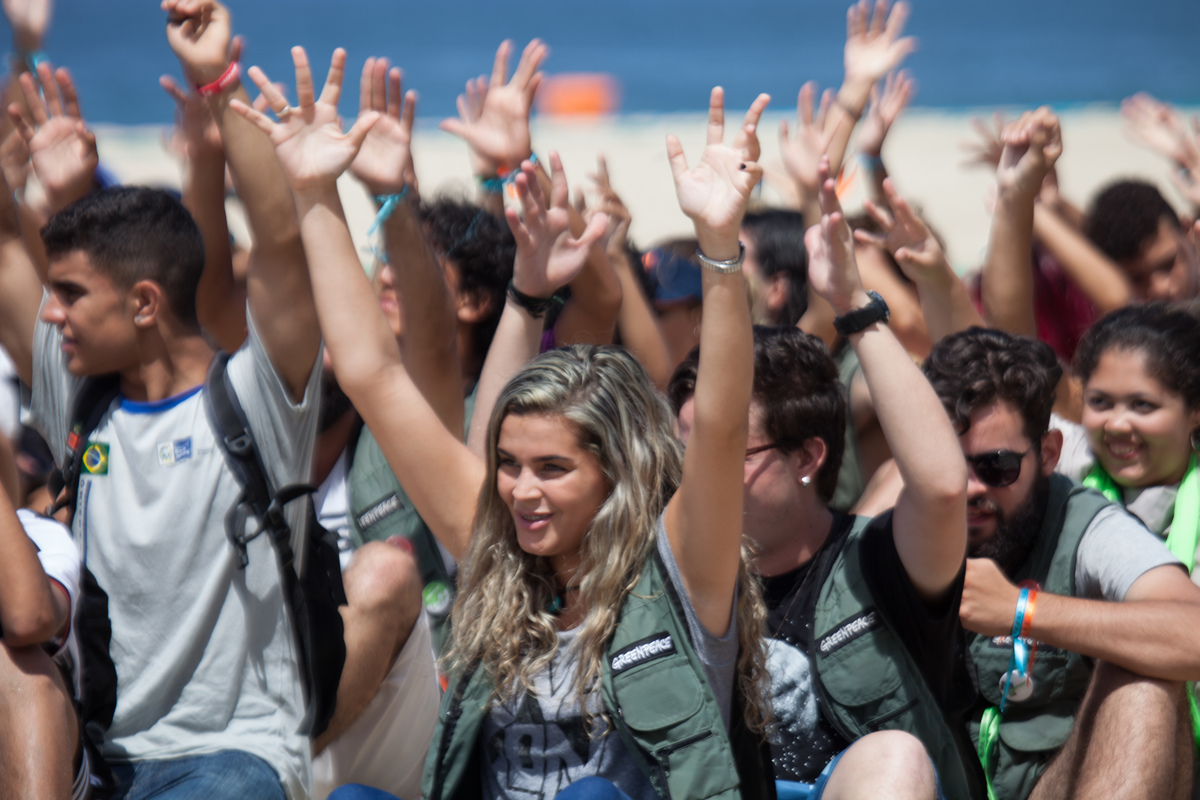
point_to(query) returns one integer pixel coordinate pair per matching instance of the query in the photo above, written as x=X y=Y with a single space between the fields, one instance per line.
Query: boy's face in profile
x=96 y=318
x=1166 y=268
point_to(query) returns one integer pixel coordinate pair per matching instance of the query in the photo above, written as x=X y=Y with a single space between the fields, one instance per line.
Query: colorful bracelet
x=220 y=84
x=387 y=204
x=504 y=177
x=872 y=163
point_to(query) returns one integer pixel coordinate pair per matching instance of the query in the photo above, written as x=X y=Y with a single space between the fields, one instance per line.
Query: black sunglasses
x=999 y=468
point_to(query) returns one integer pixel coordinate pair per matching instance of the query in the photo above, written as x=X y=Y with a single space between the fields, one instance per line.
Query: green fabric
x=865 y=676
x=662 y=707
x=1183 y=536
x=380 y=509
x=1030 y=732
x=850 y=483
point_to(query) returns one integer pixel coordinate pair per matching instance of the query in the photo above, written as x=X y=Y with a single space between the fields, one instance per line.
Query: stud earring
x=805 y=481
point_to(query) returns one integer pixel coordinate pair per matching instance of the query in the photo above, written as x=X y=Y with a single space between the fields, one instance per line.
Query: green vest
x=1032 y=731
x=850 y=482
x=866 y=677
x=656 y=694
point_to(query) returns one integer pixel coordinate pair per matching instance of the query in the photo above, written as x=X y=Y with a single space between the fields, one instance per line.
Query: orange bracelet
x=1030 y=606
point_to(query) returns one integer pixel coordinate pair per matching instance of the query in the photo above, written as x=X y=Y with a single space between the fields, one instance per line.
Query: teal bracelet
x=387 y=204
x=496 y=185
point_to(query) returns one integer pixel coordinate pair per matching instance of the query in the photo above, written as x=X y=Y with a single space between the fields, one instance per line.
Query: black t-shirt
x=805 y=739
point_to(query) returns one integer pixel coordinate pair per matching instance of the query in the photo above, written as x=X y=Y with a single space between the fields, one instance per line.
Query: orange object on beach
x=584 y=94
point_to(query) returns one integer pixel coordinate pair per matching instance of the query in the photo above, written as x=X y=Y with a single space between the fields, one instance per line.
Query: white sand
x=922 y=153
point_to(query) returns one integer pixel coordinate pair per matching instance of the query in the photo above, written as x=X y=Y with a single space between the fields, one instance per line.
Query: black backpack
x=310 y=573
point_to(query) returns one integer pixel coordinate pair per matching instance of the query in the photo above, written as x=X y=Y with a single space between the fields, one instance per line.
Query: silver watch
x=723 y=267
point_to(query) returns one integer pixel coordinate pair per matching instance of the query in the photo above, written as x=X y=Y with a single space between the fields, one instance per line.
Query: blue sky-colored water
x=665 y=53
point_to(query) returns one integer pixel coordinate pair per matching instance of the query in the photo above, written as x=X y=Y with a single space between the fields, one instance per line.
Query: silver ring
x=285 y=112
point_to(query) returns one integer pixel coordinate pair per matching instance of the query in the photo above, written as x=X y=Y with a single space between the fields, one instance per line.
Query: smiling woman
x=1141 y=378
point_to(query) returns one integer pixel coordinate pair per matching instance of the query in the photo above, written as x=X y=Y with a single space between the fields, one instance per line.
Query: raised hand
x=61 y=148
x=832 y=269
x=905 y=236
x=200 y=35
x=194 y=123
x=548 y=258
x=14 y=160
x=1032 y=144
x=308 y=137
x=29 y=20
x=874 y=46
x=384 y=164
x=985 y=151
x=802 y=154
x=715 y=193
x=1160 y=127
x=494 y=119
x=610 y=203
x=885 y=107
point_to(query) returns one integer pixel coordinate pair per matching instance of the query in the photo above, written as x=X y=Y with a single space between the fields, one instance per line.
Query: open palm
x=384 y=163
x=308 y=139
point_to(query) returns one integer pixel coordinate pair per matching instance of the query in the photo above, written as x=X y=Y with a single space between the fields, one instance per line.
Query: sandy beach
x=922 y=153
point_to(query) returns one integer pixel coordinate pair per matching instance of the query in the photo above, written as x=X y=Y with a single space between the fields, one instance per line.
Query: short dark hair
x=1124 y=215
x=797 y=387
x=1169 y=338
x=482 y=247
x=779 y=245
x=979 y=366
x=131 y=234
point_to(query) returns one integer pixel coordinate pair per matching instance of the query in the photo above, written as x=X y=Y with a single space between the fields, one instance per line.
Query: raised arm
x=547 y=259
x=385 y=167
x=930 y=520
x=431 y=462
x=220 y=300
x=635 y=321
x=1031 y=146
x=886 y=105
x=944 y=299
x=704 y=518
x=20 y=289
x=278 y=292
x=32 y=609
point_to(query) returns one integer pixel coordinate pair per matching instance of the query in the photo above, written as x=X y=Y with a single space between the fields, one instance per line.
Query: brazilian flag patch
x=95 y=459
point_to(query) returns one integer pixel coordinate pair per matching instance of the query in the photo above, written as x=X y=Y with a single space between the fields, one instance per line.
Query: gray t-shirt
x=1116 y=550
x=536 y=744
x=203 y=650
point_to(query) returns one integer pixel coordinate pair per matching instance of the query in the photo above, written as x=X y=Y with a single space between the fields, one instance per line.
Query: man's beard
x=334 y=403
x=1015 y=537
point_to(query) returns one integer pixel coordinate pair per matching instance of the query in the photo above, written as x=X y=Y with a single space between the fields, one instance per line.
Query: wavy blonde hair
x=500 y=620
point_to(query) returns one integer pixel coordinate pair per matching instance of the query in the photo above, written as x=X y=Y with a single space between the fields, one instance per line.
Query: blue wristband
x=387 y=204
x=496 y=185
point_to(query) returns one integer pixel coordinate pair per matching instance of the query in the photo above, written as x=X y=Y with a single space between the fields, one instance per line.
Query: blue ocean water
x=665 y=53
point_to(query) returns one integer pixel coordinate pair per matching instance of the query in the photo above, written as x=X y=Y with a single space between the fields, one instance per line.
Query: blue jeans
x=227 y=775
x=590 y=788
x=795 y=790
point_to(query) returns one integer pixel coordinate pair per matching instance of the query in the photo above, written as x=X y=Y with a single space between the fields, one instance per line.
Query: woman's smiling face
x=552 y=486
x=1138 y=428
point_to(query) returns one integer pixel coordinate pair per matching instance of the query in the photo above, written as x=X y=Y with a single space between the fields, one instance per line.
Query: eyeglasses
x=999 y=468
x=762 y=448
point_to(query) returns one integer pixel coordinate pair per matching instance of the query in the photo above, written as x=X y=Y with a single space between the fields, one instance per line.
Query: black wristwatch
x=861 y=318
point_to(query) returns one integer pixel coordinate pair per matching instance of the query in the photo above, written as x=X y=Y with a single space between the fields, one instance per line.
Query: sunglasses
x=999 y=468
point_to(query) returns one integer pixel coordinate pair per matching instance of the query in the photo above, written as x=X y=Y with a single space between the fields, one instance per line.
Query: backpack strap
x=91 y=404
x=241 y=451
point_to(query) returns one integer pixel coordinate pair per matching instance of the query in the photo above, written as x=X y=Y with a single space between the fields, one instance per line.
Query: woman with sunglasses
x=605 y=627
x=1140 y=368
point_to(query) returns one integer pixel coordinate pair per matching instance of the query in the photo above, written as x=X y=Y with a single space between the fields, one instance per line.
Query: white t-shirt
x=10 y=397
x=203 y=650
x=61 y=563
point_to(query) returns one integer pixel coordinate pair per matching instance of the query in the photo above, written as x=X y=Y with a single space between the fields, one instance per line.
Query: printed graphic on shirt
x=803 y=742
x=541 y=746
x=95 y=459
x=173 y=452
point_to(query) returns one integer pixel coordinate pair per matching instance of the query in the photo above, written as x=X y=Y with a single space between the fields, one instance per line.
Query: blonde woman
x=605 y=629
